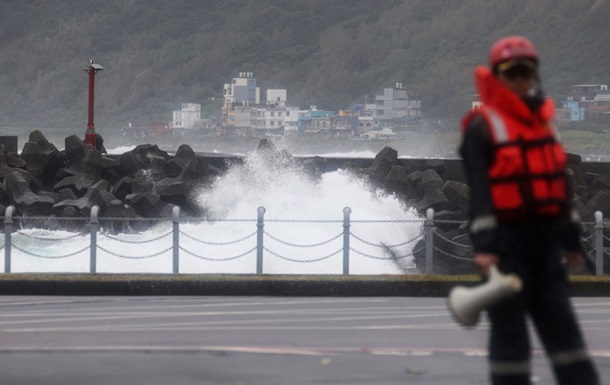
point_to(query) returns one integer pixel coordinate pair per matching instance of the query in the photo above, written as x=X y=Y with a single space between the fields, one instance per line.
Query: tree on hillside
x=158 y=54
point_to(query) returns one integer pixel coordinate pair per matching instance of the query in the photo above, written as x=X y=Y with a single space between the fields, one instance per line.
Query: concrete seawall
x=258 y=285
x=453 y=167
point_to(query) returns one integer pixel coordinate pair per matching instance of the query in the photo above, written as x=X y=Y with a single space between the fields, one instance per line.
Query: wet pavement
x=255 y=340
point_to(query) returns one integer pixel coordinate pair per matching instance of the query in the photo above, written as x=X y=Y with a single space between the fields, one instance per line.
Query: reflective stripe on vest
x=498 y=126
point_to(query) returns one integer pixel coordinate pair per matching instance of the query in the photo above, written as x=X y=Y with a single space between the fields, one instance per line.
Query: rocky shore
x=44 y=183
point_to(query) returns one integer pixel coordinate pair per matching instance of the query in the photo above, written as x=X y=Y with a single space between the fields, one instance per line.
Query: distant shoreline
x=588 y=145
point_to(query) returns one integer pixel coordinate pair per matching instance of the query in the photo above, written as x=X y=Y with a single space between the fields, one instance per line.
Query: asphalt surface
x=255 y=340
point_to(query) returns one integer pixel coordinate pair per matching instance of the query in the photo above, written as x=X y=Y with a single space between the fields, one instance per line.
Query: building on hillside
x=291 y=121
x=186 y=116
x=571 y=111
x=260 y=121
x=243 y=114
x=276 y=97
x=583 y=92
x=131 y=130
x=394 y=103
x=249 y=117
x=158 y=128
x=321 y=119
x=366 y=124
x=272 y=115
x=599 y=110
x=270 y=120
x=344 y=124
x=187 y=121
x=242 y=91
x=243 y=120
x=316 y=122
x=585 y=102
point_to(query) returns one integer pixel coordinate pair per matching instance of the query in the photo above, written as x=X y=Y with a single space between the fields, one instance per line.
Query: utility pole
x=92 y=70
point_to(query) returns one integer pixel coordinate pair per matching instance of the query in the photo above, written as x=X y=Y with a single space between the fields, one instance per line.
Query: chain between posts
x=429 y=249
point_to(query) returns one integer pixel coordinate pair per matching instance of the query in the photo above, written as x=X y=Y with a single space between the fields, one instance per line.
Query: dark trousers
x=533 y=251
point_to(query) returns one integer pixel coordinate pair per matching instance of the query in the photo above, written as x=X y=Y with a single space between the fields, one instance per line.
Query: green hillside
x=158 y=54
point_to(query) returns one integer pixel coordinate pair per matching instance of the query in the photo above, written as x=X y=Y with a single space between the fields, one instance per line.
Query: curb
x=265 y=285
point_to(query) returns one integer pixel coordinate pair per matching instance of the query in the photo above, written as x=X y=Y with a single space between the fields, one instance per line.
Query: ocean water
x=303 y=229
x=367 y=154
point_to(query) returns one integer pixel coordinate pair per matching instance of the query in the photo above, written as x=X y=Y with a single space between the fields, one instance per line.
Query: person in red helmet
x=520 y=216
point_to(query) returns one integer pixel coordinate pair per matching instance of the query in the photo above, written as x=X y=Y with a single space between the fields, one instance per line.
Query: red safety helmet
x=512 y=47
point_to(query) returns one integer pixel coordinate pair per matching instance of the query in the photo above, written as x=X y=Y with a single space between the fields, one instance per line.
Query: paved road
x=254 y=340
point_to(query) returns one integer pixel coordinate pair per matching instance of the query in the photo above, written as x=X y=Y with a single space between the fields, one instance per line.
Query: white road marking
x=198 y=325
x=150 y=328
x=284 y=350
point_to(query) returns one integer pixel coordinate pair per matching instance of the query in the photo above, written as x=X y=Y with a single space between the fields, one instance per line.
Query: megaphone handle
x=515 y=280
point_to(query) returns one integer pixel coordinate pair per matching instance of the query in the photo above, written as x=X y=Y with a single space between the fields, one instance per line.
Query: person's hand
x=574 y=258
x=485 y=260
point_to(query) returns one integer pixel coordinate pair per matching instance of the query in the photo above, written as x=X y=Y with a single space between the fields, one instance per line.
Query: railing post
x=429 y=226
x=260 y=224
x=346 y=225
x=176 y=239
x=93 y=226
x=8 y=232
x=599 y=243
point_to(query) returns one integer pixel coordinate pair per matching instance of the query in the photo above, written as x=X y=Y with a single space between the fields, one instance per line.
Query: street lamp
x=92 y=70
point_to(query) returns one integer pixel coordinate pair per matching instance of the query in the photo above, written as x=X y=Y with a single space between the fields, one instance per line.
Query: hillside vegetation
x=158 y=54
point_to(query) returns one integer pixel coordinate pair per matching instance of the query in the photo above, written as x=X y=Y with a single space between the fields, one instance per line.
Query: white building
x=187 y=116
x=276 y=97
x=270 y=118
x=291 y=120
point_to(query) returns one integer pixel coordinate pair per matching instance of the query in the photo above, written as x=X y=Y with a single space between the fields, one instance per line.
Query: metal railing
x=428 y=251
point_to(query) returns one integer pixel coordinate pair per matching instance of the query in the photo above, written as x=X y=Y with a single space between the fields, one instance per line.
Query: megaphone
x=466 y=303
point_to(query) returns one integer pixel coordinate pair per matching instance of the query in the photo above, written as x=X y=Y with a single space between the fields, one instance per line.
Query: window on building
x=272 y=113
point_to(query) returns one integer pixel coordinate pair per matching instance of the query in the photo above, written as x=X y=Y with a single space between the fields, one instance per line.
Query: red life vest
x=527 y=176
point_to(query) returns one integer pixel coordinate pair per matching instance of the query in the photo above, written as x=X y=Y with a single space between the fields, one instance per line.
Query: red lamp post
x=92 y=70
